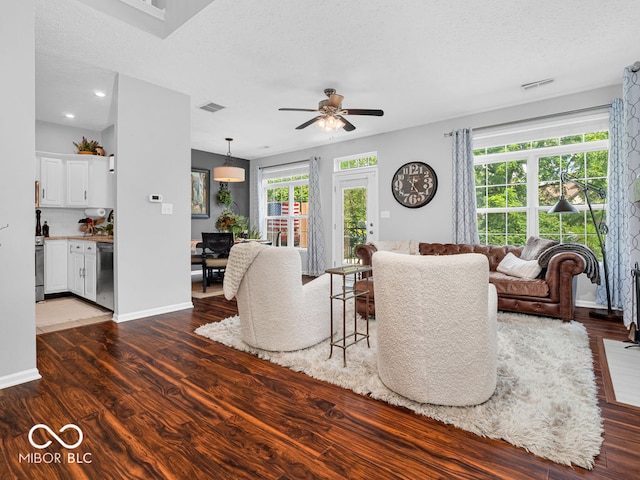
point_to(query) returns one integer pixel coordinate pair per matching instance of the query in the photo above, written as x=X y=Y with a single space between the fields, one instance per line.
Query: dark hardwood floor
x=155 y=400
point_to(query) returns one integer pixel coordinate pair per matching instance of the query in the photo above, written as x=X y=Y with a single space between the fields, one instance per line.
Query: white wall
x=17 y=144
x=56 y=138
x=427 y=143
x=152 y=255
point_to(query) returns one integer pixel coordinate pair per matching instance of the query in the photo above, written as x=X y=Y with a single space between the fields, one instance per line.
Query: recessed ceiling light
x=69 y=115
x=100 y=93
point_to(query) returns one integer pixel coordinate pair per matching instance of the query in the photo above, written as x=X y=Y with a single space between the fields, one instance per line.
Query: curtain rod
x=542 y=117
x=283 y=164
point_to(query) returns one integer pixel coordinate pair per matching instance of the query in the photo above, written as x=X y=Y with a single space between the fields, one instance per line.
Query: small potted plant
x=224 y=196
x=87 y=147
x=230 y=222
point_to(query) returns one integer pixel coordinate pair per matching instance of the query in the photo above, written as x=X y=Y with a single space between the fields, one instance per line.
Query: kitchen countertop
x=89 y=238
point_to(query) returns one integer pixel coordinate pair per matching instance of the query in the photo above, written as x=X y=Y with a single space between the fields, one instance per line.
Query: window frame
x=268 y=183
x=532 y=157
x=338 y=161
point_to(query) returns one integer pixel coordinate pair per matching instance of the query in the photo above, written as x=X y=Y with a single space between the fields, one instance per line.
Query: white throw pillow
x=516 y=267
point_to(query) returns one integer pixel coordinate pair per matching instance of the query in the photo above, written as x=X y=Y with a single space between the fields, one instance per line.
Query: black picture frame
x=200 y=193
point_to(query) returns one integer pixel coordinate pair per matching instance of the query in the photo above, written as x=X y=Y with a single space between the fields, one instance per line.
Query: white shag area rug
x=545 y=400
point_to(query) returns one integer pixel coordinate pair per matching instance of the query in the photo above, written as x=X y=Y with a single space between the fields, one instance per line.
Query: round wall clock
x=414 y=184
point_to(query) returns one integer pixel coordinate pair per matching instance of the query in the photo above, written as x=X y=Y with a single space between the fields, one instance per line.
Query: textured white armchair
x=436 y=322
x=277 y=312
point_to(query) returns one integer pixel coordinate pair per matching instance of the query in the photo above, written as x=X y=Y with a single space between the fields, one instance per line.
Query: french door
x=355 y=213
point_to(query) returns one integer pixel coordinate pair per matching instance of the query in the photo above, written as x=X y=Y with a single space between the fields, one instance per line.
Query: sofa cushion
x=516 y=267
x=515 y=286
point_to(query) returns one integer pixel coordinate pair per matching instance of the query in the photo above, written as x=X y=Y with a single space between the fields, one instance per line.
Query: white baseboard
x=588 y=304
x=119 y=318
x=19 y=377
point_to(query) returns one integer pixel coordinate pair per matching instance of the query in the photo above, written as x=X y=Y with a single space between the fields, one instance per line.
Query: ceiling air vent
x=532 y=85
x=211 y=107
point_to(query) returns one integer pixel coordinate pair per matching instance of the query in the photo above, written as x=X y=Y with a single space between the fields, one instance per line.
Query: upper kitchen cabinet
x=51 y=182
x=78 y=183
x=75 y=181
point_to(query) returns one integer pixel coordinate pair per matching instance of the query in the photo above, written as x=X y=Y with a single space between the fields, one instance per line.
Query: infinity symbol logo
x=53 y=434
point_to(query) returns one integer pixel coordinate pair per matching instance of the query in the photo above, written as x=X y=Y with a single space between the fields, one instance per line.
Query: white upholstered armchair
x=436 y=322
x=277 y=312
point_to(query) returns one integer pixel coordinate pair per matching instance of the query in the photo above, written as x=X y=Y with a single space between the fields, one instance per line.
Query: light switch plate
x=167 y=208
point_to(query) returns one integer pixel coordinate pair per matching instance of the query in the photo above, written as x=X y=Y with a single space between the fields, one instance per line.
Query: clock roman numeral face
x=414 y=184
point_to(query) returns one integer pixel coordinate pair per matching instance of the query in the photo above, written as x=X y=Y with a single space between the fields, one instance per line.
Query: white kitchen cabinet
x=51 y=182
x=77 y=183
x=82 y=268
x=76 y=267
x=55 y=266
x=102 y=189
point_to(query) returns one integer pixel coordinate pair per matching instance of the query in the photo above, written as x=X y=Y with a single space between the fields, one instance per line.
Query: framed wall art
x=200 y=193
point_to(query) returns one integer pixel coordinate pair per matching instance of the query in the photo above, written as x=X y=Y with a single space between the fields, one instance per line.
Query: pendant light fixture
x=227 y=172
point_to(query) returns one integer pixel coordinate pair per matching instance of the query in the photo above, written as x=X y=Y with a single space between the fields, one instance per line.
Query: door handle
x=85 y=194
x=43 y=193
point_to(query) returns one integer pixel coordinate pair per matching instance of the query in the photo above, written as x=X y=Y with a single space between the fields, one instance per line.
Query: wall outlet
x=167 y=208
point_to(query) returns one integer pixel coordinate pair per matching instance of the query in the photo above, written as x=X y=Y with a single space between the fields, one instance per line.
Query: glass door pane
x=354 y=216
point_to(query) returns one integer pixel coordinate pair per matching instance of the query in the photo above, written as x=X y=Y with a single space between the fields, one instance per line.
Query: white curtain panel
x=631 y=148
x=465 y=220
x=617 y=218
x=316 y=258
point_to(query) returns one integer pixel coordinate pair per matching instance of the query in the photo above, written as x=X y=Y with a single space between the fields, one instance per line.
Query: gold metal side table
x=345 y=294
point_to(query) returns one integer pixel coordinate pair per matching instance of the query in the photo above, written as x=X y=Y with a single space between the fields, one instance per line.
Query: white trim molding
x=17 y=378
x=119 y=318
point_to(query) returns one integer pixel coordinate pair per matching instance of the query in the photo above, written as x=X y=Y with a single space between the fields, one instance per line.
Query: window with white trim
x=350 y=162
x=285 y=193
x=518 y=182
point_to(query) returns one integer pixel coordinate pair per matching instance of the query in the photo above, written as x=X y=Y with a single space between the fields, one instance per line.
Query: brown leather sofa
x=551 y=294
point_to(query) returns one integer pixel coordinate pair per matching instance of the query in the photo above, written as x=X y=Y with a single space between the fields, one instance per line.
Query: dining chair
x=215 y=254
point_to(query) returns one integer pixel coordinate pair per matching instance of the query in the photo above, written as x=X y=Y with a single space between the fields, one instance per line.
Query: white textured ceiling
x=418 y=60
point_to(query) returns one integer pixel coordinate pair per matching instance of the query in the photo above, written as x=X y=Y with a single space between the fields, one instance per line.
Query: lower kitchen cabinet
x=82 y=268
x=55 y=266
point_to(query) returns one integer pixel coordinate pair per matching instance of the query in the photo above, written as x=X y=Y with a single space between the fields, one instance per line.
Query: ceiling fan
x=331 y=113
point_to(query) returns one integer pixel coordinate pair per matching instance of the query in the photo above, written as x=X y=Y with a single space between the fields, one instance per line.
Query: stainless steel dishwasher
x=104 y=274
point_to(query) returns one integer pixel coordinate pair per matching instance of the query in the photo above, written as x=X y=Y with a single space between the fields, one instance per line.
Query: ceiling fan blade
x=298 y=109
x=362 y=111
x=348 y=126
x=306 y=124
x=335 y=100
